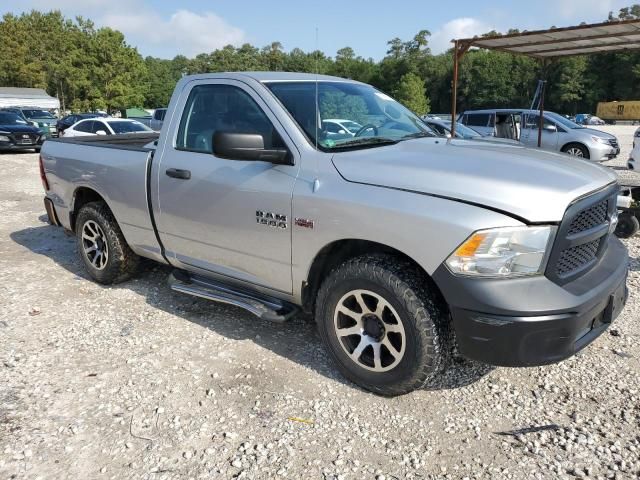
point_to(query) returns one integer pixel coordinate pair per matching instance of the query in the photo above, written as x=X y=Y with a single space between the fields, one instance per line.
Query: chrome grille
x=589 y=218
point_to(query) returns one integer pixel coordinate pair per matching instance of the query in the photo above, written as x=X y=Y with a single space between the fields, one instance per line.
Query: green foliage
x=336 y=104
x=89 y=68
x=410 y=93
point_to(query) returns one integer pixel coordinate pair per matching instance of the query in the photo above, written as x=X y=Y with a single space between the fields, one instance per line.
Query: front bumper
x=531 y=320
x=600 y=152
x=12 y=147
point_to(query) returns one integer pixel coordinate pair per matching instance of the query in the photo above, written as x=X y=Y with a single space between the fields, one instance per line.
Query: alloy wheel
x=369 y=330
x=94 y=245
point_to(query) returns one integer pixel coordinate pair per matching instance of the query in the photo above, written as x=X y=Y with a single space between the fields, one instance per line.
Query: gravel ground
x=135 y=381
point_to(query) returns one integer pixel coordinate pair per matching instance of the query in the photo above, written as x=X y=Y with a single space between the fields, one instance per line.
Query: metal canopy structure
x=551 y=44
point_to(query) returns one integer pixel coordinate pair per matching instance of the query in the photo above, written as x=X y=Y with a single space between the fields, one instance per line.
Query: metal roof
x=564 y=42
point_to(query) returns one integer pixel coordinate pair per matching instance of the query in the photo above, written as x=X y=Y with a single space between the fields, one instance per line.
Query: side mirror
x=551 y=128
x=100 y=132
x=247 y=146
x=447 y=135
x=341 y=132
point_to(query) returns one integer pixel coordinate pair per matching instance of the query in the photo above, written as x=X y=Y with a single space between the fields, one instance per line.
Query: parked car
x=157 y=119
x=38 y=118
x=17 y=134
x=633 y=163
x=558 y=133
x=443 y=128
x=105 y=126
x=401 y=244
x=69 y=120
x=341 y=127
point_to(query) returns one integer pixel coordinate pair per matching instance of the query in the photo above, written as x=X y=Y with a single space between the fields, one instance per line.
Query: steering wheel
x=368 y=126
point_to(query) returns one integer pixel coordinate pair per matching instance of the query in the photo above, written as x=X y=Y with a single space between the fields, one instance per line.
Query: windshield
x=7 y=118
x=37 y=114
x=369 y=116
x=565 y=122
x=128 y=127
x=463 y=130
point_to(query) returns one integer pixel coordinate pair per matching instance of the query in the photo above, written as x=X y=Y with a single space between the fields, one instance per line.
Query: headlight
x=600 y=140
x=4 y=138
x=503 y=252
x=43 y=137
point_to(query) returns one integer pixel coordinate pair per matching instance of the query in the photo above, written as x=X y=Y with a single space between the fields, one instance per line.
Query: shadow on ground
x=296 y=340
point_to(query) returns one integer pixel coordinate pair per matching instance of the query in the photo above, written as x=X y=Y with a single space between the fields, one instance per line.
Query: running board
x=262 y=306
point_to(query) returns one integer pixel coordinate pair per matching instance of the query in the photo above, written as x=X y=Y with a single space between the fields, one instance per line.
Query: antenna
x=316 y=96
x=316 y=181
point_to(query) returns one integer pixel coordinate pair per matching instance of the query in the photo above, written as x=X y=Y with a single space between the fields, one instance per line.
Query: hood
x=19 y=129
x=534 y=185
x=46 y=121
x=596 y=133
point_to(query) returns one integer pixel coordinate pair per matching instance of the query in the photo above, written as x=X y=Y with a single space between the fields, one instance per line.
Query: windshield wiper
x=418 y=135
x=365 y=141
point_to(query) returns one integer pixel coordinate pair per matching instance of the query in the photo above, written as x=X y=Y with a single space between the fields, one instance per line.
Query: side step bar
x=262 y=306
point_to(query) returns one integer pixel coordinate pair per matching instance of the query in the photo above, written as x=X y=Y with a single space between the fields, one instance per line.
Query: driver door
x=530 y=127
x=213 y=220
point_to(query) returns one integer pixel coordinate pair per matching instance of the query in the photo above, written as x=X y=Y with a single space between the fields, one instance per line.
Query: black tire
x=120 y=263
x=424 y=317
x=573 y=148
x=628 y=225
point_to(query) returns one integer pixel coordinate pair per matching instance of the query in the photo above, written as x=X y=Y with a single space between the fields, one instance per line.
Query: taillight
x=43 y=176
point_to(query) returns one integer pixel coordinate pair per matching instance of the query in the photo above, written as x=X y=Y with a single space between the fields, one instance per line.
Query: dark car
x=69 y=120
x=38 y=118
x=18 y=134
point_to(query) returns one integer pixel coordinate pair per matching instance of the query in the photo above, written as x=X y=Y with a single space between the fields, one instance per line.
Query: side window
x=532 y=122
x=159 y=114
x=477 y=119
x=331 y=127
x=97 y=125
x=223 y=108
x=85 y=127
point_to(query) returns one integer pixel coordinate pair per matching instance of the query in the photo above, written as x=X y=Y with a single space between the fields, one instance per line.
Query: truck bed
x=129 y=141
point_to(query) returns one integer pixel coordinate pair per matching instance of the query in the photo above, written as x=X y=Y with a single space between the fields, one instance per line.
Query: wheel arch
x=339 y=251
x=81 y=196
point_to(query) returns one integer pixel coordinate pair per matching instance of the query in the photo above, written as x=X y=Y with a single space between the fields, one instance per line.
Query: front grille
x=575 y=258
x=589 y=218
x=582 y=236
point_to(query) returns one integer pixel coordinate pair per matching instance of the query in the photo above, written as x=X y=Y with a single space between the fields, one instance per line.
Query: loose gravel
x=135 y=381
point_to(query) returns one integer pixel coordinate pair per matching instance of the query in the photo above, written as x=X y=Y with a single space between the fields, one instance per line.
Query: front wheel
x=383 y=325
x=576 y=150
x=101 y=245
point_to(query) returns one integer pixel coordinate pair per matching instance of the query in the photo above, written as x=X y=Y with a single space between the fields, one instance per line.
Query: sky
x=188 y=27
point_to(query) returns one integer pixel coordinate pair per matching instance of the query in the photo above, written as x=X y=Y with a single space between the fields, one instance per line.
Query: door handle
x=178 y=173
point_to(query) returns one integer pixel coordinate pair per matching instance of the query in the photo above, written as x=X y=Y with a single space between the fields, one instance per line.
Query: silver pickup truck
x=404 y=246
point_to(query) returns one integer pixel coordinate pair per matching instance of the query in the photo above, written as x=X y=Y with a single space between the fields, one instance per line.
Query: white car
x=105 y=126
x=341 y=126
x=634 y=157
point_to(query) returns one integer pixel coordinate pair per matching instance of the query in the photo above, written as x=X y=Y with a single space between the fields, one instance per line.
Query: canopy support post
x=459 y=49
x=542 y=93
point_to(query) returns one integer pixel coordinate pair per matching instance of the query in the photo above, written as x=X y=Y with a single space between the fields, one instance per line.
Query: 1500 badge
x=271 y=219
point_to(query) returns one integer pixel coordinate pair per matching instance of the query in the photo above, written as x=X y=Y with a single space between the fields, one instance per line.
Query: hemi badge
x=305 y=223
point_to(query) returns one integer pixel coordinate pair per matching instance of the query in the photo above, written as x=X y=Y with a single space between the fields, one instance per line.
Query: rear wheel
x=385 y=329
x=576 y=150
x=101 y=245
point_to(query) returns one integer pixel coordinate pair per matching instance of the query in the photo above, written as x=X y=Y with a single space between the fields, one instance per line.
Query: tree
x=411 y=93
